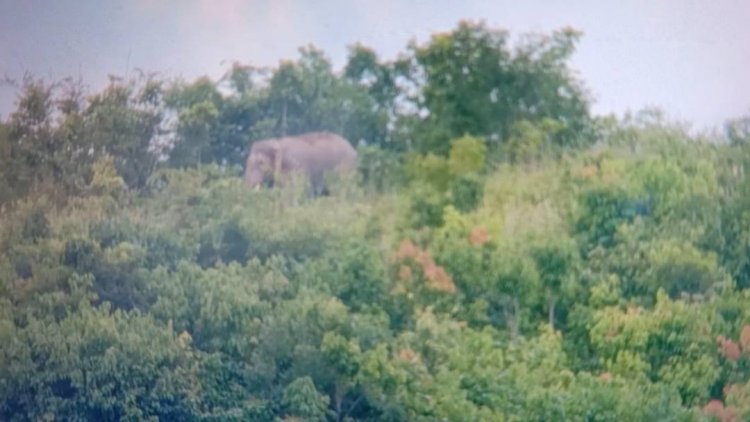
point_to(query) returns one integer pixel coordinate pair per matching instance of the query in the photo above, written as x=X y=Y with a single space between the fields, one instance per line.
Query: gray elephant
x=272 y=162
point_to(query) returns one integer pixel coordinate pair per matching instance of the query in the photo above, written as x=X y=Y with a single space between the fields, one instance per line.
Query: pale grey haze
x=692 y=58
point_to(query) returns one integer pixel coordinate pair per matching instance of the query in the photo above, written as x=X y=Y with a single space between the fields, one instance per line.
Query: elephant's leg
x=314 y=190
x=317 y=184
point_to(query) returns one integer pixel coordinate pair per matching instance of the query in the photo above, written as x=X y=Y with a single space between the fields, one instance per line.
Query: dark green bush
x=467 y=192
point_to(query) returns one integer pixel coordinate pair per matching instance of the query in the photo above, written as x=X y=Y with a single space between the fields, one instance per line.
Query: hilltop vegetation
x=504 y=255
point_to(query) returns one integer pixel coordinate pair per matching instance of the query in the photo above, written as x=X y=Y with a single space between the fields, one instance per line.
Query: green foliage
x=96 y=364
x=670 y=344
x=196 y=123
x=36 y=226
x=682 y=269
x=426 y=209
x=430 y=170
x=738 y=130
x=302 y=400
x=476 y=84
x=531 y=142
x=380 y=169
x=218 y=307
x=438 y=182
x=491 y=264
x=467 y=192
x=123 y=121
x=104 y=179
x=603 y=212
x=467 y=156
x=557 y=263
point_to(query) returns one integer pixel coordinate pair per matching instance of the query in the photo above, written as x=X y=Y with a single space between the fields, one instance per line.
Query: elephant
x=272 y=162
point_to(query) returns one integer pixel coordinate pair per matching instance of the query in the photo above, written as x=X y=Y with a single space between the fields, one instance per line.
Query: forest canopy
x=504 y=253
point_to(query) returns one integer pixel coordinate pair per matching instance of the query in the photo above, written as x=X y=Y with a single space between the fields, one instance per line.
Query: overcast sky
x=690 y=57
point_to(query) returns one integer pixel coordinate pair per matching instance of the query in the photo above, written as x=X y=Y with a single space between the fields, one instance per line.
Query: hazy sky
x=690 y=57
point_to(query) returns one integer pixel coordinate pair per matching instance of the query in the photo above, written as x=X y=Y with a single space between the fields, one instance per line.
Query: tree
x=671 y=343
x=376 y=110
x=302 y=400
x=471 y=82
x=557 y=263
x=95 y=364
x=7 y=190
x=738 y=130
x=195 y=132
x=125 y=121
x=32 y=147
x=197 y=106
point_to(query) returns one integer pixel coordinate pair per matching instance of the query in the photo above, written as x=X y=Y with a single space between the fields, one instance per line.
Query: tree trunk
x=283 y=120
x=338 y=398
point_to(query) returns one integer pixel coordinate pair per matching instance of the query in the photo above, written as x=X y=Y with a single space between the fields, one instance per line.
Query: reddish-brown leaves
x=407 y=250
x=588 y=172
x=732 y=350
x=479 y=236
x=408 y=355
x=436 y=276
x=729 y=349
x=716 y=409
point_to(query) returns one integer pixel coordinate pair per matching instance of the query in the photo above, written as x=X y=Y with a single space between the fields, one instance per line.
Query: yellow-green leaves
x=467 y=155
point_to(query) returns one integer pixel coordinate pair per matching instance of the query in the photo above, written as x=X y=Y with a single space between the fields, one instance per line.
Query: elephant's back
x=324 y=148
x=324 y=140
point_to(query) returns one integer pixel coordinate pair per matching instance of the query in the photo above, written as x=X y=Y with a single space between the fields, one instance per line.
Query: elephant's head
x=262 y=163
